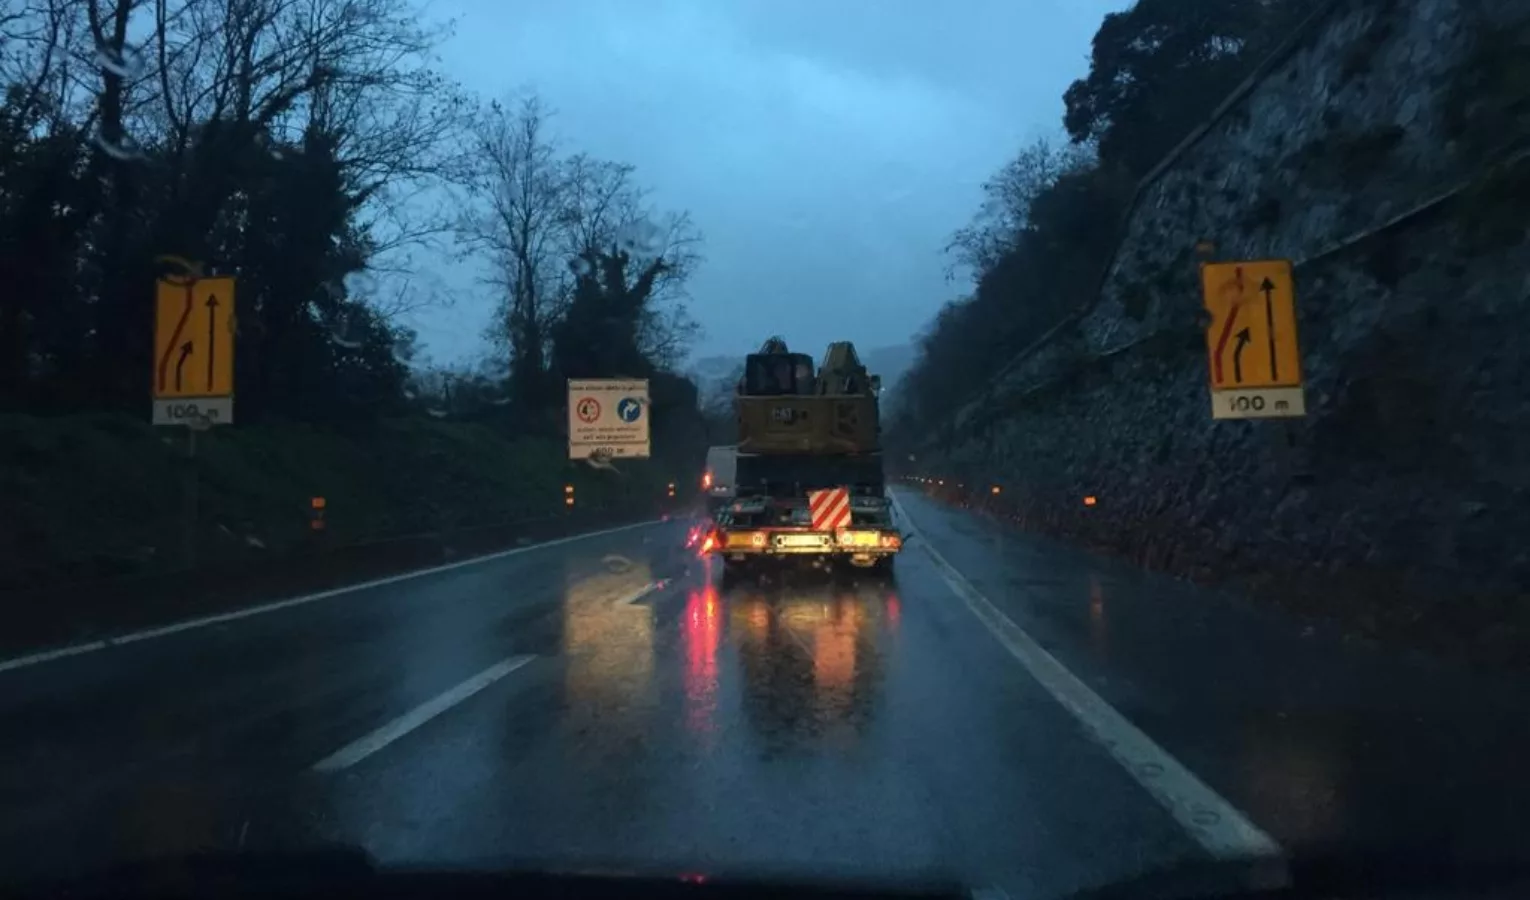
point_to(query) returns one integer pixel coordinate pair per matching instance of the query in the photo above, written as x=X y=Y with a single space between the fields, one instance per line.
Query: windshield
x=1026 y=445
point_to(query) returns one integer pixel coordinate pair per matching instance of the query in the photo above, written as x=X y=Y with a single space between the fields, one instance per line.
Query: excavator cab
x=778 y=375
x=784 y=407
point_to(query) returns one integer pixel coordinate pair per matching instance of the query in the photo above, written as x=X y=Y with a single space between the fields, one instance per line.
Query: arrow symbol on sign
x=181 y=363
x=1216 y=357
x=212 y=342
x=164 y=361
x=1243 y=341
x=1268 y=287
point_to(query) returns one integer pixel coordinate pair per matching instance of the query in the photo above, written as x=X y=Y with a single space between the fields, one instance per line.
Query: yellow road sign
x=1252 y=351
x=194 y=338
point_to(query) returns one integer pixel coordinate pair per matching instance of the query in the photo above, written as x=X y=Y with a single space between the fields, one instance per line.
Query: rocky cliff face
x=1383 y=151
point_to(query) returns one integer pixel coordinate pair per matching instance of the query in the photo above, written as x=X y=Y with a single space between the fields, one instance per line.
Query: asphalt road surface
x=1009 y=712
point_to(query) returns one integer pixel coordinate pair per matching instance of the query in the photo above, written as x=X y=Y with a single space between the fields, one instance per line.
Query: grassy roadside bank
x=92 y=536
x=71 y=613
x=104 y=496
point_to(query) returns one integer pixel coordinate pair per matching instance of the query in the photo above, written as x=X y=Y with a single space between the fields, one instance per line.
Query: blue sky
x=826 y=150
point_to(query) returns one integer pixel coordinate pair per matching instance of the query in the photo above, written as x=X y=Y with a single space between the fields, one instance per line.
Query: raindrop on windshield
x=125 y=62
x=126 y=149
x=494 y=394
x=601 y=459
x=360 y=285
x=641 y=238
x=346 y=331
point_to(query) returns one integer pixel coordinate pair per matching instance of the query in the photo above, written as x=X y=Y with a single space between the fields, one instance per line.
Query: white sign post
x=608 y=418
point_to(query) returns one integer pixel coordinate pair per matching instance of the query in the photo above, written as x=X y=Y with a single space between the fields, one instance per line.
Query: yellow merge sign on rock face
x=1252 y=352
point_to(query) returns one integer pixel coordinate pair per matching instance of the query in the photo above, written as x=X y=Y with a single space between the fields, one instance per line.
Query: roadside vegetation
x=313 y=151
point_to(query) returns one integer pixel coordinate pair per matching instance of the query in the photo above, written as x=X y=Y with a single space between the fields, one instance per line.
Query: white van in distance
x=717 y=482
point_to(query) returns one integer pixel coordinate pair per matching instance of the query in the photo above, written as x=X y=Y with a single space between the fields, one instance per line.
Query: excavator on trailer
x=807 y=475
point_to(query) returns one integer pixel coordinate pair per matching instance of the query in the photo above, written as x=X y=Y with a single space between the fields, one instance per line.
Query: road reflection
x=701 y=630
x=608 y=648
x=810 y=662
x=1099 y=628
x=168 y=816
x=1298 y=768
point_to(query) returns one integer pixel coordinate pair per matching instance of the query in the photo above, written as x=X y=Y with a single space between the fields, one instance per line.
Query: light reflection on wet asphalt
x=845 y=725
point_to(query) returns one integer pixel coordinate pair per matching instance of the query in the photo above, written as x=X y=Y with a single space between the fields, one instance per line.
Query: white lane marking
x=368 y=744
x=1214 y=823
x=640 y=593
x=33 y=659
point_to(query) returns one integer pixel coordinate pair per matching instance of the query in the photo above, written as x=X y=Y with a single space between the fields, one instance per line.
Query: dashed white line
x=33 y=659
x=641 y=592
x=368 y=744
x=1214 y=823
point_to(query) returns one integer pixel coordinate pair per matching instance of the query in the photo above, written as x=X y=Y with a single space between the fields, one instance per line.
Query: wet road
x=1008 y=712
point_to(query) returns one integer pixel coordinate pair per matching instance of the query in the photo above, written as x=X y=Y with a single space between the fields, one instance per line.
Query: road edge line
x=158 y=631
x=1220 y=828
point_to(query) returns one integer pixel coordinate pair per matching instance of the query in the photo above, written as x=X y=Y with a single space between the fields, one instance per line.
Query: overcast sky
x=826 y=149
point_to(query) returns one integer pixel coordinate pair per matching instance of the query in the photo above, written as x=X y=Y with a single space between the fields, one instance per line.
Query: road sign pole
x=189 y=490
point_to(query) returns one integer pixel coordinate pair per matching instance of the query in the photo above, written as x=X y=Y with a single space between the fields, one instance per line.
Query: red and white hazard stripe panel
x=830 y=509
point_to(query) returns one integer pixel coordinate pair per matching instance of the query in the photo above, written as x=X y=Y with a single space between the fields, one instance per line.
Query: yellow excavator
x=807 y=473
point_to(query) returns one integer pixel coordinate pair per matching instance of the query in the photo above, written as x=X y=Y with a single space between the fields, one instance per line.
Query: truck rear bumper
x=737 y=553
x=859 y=545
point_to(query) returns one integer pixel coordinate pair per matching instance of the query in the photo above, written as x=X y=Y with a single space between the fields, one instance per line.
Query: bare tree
x=1007 y=198
x=354 y=73
x=665 y=334
x=606 y=212
x=37 y=40
x=519 y=220
x=546 y=222
x=600 y=199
